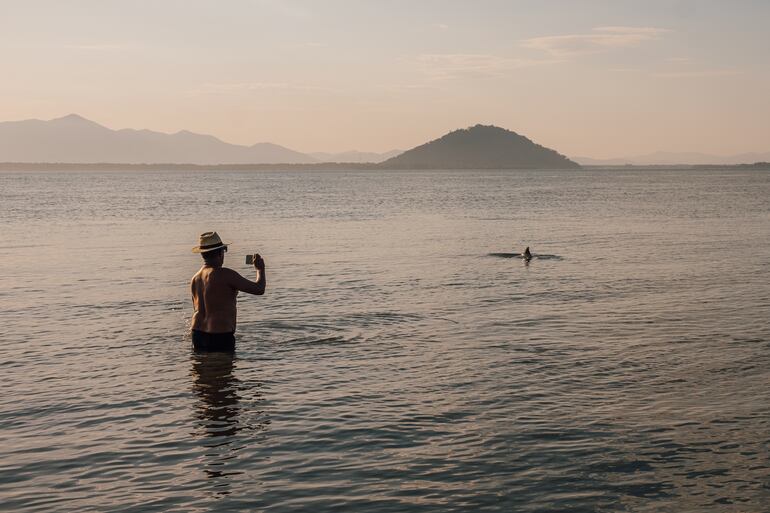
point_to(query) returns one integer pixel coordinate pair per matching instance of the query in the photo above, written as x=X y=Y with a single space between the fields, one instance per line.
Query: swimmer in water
x=527 y=255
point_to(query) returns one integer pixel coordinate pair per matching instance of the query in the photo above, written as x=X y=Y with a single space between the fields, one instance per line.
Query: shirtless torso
x=214 y=289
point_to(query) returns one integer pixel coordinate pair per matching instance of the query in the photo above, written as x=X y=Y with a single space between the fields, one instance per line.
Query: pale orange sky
x=593 y=78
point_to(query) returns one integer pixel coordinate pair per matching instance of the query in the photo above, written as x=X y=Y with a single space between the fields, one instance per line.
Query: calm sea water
x=395 y=363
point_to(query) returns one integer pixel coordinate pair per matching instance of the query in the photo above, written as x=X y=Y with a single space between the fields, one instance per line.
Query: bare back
x=214 y=300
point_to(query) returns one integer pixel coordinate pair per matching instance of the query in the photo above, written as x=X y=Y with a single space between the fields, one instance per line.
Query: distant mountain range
x=672 y=158
x=480 y=147
x=78 y=140
x=74 y=139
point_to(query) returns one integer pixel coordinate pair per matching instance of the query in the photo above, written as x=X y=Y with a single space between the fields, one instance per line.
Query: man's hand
x=259 y=264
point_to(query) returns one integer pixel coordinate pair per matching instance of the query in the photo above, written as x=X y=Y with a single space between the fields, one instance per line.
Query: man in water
x=527 y=255
x=214 y=289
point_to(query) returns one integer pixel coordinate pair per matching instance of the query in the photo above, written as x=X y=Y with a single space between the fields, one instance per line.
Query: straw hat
x=209 y=241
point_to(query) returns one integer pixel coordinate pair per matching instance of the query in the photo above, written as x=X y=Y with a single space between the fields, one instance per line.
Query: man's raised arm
x=248 y=286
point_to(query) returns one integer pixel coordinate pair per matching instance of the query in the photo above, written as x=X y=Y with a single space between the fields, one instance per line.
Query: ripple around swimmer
x=331 y=329
x=537 y=256
x=324 y=340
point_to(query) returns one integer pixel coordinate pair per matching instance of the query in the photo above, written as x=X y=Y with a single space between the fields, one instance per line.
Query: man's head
x=215 y=257
x=211 y=248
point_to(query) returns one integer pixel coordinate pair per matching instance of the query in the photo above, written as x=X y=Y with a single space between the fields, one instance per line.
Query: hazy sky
x=588 y=78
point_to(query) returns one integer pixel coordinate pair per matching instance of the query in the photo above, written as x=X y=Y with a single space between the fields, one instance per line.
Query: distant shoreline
x=325 y=166
x=755 y=165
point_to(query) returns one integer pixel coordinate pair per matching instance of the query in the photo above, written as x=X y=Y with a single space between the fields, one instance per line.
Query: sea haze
x=404 y=358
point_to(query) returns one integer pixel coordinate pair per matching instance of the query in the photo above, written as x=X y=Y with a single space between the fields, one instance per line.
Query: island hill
x=75 y=143
x=480 y=147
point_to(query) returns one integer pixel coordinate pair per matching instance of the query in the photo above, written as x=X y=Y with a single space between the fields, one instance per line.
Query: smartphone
x=249 y=259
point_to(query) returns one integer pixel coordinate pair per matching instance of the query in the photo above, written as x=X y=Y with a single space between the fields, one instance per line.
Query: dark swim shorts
x=203 y=341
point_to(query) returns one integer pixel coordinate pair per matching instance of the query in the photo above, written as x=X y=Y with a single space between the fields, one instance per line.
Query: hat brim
x=197 y=249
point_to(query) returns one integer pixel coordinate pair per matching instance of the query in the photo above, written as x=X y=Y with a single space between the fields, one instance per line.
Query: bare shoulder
x=230 y=274
x=237 y=281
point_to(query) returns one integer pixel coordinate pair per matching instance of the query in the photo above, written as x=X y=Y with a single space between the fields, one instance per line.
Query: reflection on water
x=216 y=387
x=218 y=411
